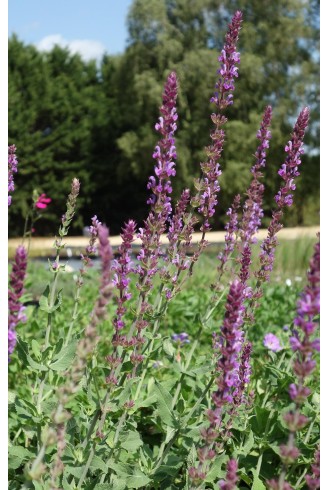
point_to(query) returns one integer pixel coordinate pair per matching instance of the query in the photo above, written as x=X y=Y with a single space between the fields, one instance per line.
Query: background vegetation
x=72 y=118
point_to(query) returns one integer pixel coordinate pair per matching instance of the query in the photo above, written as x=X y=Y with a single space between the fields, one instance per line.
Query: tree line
x=95 y=121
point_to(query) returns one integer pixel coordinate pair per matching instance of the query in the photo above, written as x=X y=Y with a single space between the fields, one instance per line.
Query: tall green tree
x=53 y=103
x=71 y=118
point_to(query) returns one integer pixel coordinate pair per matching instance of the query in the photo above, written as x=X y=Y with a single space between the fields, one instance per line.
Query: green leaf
x=74 y=470
x=216 y=470
x=36 y=349
x=17 y=455
x=44 y=304
x=137 y=480
x=65 y=484
x=164 y=401
x=147 y=402
x=168 y=347
x=11 y=397
x=191 y=459
x=107 y=486
x=22 y=348
x=58 y=301
x=131 y=441
x=121 y=469
x=126 y=392
x=37 y=485
x=246 y=449
x=257 y=483
x=262 y=415
x=64 y=358
x=98 y=464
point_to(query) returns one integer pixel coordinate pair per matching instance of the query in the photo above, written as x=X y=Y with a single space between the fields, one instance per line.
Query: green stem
x=297 y=484
x=74 y=316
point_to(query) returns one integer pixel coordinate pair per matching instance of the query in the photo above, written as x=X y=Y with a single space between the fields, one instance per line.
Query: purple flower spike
x=284 y=197
x=12 y=168
x=160 y=185
x=231 y=477
x=289 y=170
x=16 y=289
x=122 y=267
x=228 y=70
x=271 y=342
x=313 y=482
x=253 y=213
x=165 y=150
x=230 y=237
x=308 y=307
x=106 y=254
x=228 y=344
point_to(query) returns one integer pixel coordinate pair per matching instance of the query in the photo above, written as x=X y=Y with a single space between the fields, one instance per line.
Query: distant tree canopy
x=73 y=118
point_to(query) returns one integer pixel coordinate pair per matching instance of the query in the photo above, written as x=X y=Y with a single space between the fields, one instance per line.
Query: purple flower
x=16 y=289
x=180 y=338
x=122 y=267
x=160 y=201
x=230 y=237
x=288 y=172
x=231 y=476
x=12 y=168
x=229 y=344
x=253 y=213
x=308 y=307
x=313 y=482
x=165 y=151
x=244 y=374
x=106 y=255
x=228 y=70
x=271 y=342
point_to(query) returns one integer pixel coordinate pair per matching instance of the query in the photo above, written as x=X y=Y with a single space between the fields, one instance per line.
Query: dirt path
x=43 y=246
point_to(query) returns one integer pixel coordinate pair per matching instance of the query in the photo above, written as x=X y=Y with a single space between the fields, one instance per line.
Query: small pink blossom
x=271 y=342
x=42 y=202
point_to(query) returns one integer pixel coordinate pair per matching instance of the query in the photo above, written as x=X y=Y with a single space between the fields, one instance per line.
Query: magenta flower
x=271 y=342
x=42 y=202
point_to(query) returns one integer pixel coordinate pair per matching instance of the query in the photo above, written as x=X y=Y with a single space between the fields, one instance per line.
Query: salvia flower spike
x=12 y=168
x=16 y=289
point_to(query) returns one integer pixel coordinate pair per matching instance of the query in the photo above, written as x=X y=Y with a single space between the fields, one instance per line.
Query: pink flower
x=271 y=342
x=42 y=202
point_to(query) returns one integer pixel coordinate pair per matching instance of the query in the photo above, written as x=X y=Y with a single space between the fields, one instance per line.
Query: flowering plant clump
x=106 y=392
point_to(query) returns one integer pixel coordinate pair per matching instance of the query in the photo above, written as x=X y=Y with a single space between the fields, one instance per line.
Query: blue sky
x=90 y=27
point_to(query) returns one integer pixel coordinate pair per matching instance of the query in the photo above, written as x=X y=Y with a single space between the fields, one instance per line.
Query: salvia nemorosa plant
x=142 y=386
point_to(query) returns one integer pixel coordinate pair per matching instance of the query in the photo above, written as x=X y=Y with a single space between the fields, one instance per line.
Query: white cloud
x=87 y=48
